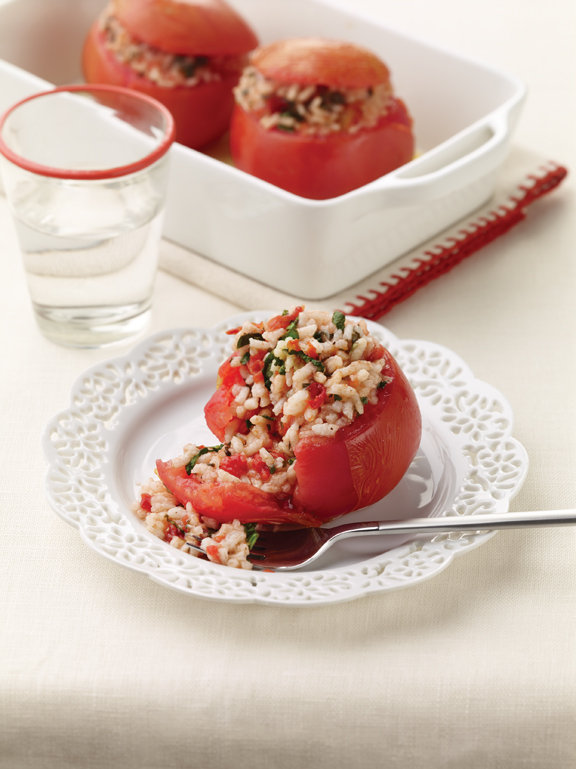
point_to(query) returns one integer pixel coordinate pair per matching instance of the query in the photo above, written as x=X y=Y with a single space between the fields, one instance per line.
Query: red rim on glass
x=108 y=173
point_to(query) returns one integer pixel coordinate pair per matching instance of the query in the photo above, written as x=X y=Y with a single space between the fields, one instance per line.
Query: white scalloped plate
x=126 y=413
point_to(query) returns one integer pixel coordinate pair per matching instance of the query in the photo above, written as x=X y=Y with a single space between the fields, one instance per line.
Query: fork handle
x=449 y=523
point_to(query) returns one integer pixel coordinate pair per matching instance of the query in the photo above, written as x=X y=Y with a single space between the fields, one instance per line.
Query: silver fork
x=288 y=550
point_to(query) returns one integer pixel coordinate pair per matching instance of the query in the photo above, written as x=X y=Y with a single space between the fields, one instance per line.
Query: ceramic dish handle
x=472 y=155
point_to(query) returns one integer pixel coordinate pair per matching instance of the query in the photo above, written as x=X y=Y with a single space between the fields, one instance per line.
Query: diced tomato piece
x=258 y=464
x=146 y=502
x=256 y=363
x=311 y=351
x=233 y=331
x=236 y=465
x=293 y=345
x=376 y=354
x=283 y=321
x=172 y=531
x=212 y=551
x=316 y=395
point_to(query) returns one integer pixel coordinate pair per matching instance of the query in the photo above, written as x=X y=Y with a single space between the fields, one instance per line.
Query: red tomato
x=226 y=502
x=312 y=165
x=201 y=112
x=316 y=395
x=193 y=27
x=321 y=167
x=317 y=61
x=356 y=467
x=364 y=461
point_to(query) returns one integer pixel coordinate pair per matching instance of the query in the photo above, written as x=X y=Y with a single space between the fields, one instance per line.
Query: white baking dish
x=464 y=115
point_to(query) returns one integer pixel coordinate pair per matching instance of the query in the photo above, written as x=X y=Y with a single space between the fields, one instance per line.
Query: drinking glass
x=85 y=172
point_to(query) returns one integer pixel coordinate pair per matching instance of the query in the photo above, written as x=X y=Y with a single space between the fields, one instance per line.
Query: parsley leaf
x=364 y=399
x=245 y=339
x=337 y=397
x=269 y=361
x=245 y=358
x=291 y=331
x=251 y=534
x=338 y=319
x=318 y=363
x=381 y=385
x=196 y=457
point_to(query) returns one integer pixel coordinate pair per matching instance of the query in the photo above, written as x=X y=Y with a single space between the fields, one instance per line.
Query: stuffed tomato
x=187 y=54
x=315 y=420
x=318 y=118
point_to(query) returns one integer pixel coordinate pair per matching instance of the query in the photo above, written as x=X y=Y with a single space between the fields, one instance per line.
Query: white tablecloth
x=474 y=669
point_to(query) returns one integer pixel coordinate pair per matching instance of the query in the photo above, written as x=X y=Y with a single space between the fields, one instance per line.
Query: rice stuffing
x=311 y=109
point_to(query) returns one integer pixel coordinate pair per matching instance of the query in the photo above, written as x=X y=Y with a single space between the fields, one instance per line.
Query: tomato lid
x=191 y=27
x=318 y=61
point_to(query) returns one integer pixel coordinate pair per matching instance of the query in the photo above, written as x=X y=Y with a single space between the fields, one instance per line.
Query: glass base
x=93 y=327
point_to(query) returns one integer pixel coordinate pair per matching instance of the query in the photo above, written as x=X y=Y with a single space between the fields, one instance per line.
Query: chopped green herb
x=338 y=98
x=265 y=416
x=337 y=397
x=291 y=460
x=272 y=470
x=251 y=534
x=364 y=399
x=176 y=525
x=196 y=457
x=284 y=313
x=288 y=128
x=245 y=339
x=338 y=319
x=269 y=361
x=292 y=112
x=355 y=336
x=188 y=66
x=319 y=336
x=318 y=363
x=291 y=331
x=245 y=358
x=248 y=424
x=381 y=385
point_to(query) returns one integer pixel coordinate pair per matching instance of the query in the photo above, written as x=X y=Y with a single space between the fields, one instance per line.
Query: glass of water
x=85 y=172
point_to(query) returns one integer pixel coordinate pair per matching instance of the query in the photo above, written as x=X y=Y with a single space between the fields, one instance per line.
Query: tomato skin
x=208 y=28
x=202 y=112
x=219 y=412
x=321 y=167
x=225 y=502
x=314 y=61
x=364 y=461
